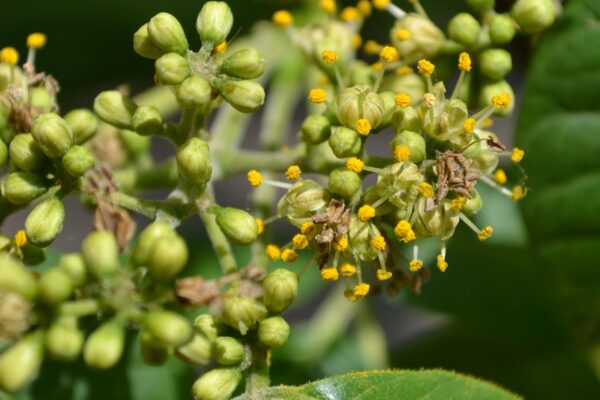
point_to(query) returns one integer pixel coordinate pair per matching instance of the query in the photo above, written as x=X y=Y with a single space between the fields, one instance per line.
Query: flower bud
x=100 y=252
x=74 y=266
x=502 y=29
x=147 y=240
x=439 y=222
x=197 y=351
x=216 y=384
x=495 y=64
x=464 y=29
x=167 y=258
x=489 y=90
x=167 y=328
x=482 y=6
x=344 y=182
x=534 y=15
x=344 y=142
x=104 y=347
x=172 y=69
x=40 y=100
x=359 y=102
x=303 y=198
x=193 y=92
x=244 y=96
x=280 y=289
x=11 y=74
x=135 y=143
x=359 y=237
x=52 y=134
x=3 y=153
x=144 y=46
x=205 y=324
x=26 y=154
x=472 y=205
x=64 y=340
x=410 y=84
x=166 y=32
x=45 y=221
x=238 y=225
x=78 y=161
x=399 y=183
x=55 y=286
x=15 y=278
x=20 y=362
x=244 y=64
x=406 y=119
x=214 y=22
x=114 y=108
x=414 y=142
x=242 y=313
x=389 y=105
x=425 y=40
x=487 y=159
x=228 y=350
x=22 y=187
x=193 y=162
x=83 y=124
x=273 y=332
x=315 y=129
x=153 y=353
x=146 y=120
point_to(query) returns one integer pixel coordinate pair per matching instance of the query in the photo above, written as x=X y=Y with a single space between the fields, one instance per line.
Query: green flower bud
x=74 y=266
x=399 y=183
x=193 y=92
x=26 y=154
x=534 y=15
x=360 y=235
x=464 y=29
x=244 y=64
x=196 y=352
x=166 y=32
x=205 y=324
x=114 y=108
x=440 y=222
x=359 y=102
x=104 y=347
x=273 y=332
x=214 y=22
x=315 y=129
x=344 y=142
x=153 y=353
x=15 y=278
x=446 y=119
x=495 y=63
x=487 y=159
x=78 y=161
x=147 y=240
x=415 y=143
x=242 y=313
x=172 y=69
x=489 y=90
x=167 y=328
x=11 y=74
x=228 y=350
x=425 y=38
x=344 y=182
x=193 y=162
x=20 y=362
x=100 y=253
x=55 y=286
x=32 y=254
x=302 y=199
x=83 y=124
x=411 y=84
x=144 y=46
x=389 y=105
x=45 y=221
x=280 y=289
x=244 y=96
x=472 y=205
x=147 y=120
x=52 y=134
x=216 y=384
x=502 y=29
x=482 y=6
x=406 y=119
x=40 y=100
x=3 y=153
x=167 y=258
x=238 y=225
x=64 y=340
x=22 y=187
x=135 y=143
x=361 y=72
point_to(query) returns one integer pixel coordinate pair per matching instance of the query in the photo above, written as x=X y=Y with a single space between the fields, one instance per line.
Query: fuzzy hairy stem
x=220 y=243
x=258 y=377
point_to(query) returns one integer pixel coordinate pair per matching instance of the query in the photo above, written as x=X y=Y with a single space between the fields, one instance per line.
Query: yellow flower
x=469 y=125
x=501 y=101
x=273 y=252
x=415 y=265
x=378 y=243
x=383 y=275
x=330 y=57
x=401 y=153
x=519 y=192
x=356 y=41
x=329 y=6
x=389 y=54
x=260 y=225
x=283 y=18
x=361 y=290
x=363 y=127
x=349 y=14
x=366 y=212
x=317 y=96
x=221 y=47
x=289 y=255
x=300 y=241
x=441 y=263
x=517 y=155
x=464 y=62
x=254 y=177
x=364 y=7
x=330 y=274
x=404 y=232
x=293 y=172
x=36 y=40
x=402 y=100
x=426 y=190
x=307 y=228
x=404 y=70
x=355 y=164
x=425 y=67
x=485 y=233
x=403 y=34
x=371 y=47
x=457 y=204
x=500 y=176
x=20 y=238
x=9 y=55
x=347 y=270
x=340 y=244
x=381 y=4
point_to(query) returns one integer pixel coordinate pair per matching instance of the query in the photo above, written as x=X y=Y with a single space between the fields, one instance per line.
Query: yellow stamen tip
x=260 y=225
x=389 y=54
x=517 y=155
x=300 y=241
x=273 y=252
x=20 y=238
x=355 y=164
x=289 y=255
x=36 y=40
x=330 y=274
x=404 y=70
x=363 y=127
x=254 y=178
x=469 y=125
x=519 y=192
x=426 y=190
x=402 y=100
x=378 y=243
x=441 y=263
x=366 y=212
x=425 y=67
x=283 y=18
x=356 y=41
x=221 y=47
x=293 y=173
x=403 y=34
x=330 y=57
x=361 y=290
x=485 y=233
x=307 y=227
x=457 y=204
x=415 y=265
x=464 y=62
x=404 y=231
x=329 y=6
x=402 y=153
x=364 y=7
x=340 y=244
x=9 y=55
x=349 y=14
x=317 y=96
x=501 y=101
x=347 y=270
x=500 y=176
x=381 y=4
x=383 y=275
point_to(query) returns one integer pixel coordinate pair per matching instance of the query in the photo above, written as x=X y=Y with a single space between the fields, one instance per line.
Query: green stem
x=219 y=242
x=258 y=377
x=148 y=208
x=80 y=308
x=233 y=161
x=153 y=177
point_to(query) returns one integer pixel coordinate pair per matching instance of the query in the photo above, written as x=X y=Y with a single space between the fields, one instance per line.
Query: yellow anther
x=485 y=233
x=36 y=40
x=404 y=70
x=415 y=265
x=517 y=155
x=349 y=294
x=404 y=231
x=329 y=6
x=307 y=227
x=426 y=190
x=273 y=252
x=469 y=125
x=340 y=244
x=330 y=274
x=402 y=100
x=441 y=263
x=425 y=67
x=260 y=225
x=464 y=62
x=378 y=243
x=366 y=212
x=381 y=4
x=347 y=270
x=389 y=54
x=293 y=172
x=330 y=57
x=356 y=41
x=364 y=7
x=401 y=153
x=429 y=100
x=458 y=203
x=363 y=127
x=289 y=255
x=355 y=164
x=383 y=275
x=349 y=14
x=221 y=47
x=500 y=176
x=300 y=241
x=371 y=47
x=501 y=101
x=403 y=34
x=9 y=55
x=361 y=290
x=283 y=18
x=20 y=238
x=519 y=192
x=317 y=96
x=254 y=177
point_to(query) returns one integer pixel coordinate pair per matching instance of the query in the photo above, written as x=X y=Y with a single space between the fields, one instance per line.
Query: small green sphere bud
x=167 y=328
x=472 y=205
x=495 y=64
x=389 y=105
x=205 y=324
x=228 y=350
x=305 y=197
x=148 y=239
x=74 y=266
x=281 y=288
x=359 y=102
x=193 y=92
x=482 y=6
x=167 y=258
x=147 y=120
x=26 y=154
x=238 y=225
x=489 y=90
x=193 y=162
x=22 y=187
x=315 y=129
x=464 y=29
x=45 y=221
x=144 y=46
x=244 y=96
x=344 y=142
x=104 y=347
x=217 y=384
x=100 y=253
x=55 y=286
x=172 y=69
x=440 y=222
x=3 y=153
x=214 y=22
x=52 y=134
x=78 y=161
x=244 y=64
x=534 y=15
x=15 y=278
x=242 y=313
x=152 y=353
x=64 y=340
x=273 y=332
x=166 y=32
x=414 y=142
x=83 y=124
x=416 y=37
x=20 y=362
x=344 y=182
x=197 y=351
x=114 y=108
x=406 y=119
x=502 y=29
x=135 y=143
x=40 y=100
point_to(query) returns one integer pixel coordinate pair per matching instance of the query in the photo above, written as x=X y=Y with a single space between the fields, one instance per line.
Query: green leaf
x=389 y=385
